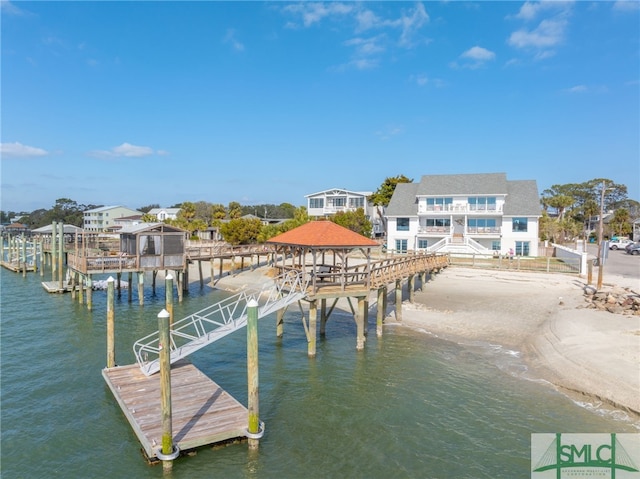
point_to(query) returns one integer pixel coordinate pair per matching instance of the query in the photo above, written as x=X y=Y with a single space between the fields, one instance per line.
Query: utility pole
x=600 y=234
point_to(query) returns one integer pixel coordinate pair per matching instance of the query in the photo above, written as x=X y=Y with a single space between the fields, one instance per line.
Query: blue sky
x=136 y=103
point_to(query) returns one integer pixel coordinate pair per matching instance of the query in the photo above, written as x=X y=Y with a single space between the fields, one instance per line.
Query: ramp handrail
x=199 y=329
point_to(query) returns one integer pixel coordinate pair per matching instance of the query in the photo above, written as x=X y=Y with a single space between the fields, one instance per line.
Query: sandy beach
x=543 y=316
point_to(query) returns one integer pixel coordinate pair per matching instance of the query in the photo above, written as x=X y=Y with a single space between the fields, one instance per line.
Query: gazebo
x=321 y=251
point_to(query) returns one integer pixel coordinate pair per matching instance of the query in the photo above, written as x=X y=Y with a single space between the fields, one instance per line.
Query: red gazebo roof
x=323 y=234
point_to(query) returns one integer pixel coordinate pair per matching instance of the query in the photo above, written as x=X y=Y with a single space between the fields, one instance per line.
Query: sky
x=154 y=102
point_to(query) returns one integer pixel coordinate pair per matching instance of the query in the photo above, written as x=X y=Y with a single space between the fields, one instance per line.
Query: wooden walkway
x=203 y=413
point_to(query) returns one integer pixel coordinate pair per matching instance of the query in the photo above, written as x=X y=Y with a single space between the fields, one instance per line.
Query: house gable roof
x=465 y=184
x=522 y=199
x=155 y=227
x=323 y=234
x=339 y=191
x=403 y=201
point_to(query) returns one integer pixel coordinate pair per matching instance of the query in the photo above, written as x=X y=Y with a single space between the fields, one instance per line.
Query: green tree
x=620 y=224
x=234 y=210
x=300 y=217
x=218 y=211
x=147 y=218
x=355 y=221
x=241 y=231
x=146 y=209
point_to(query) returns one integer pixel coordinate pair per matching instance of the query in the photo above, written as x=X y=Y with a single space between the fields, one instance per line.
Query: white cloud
x=127 y=150
x=479 y=54
x=230 y=38
x=474 y=57
x=530 y=10
x=9 y=8
x=389 y=132
x=626 y=6
x=366 y=46
x=420 y=79
x=411 y=24
x=364 y=19
x=18 y=150
x=548 y=33
x=314 y=12
x=577 y=89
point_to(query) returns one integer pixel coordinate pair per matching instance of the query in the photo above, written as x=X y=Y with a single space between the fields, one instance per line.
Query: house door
x=458 y=226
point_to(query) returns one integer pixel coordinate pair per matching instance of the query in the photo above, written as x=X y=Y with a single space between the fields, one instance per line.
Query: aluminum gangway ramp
x=218 y=320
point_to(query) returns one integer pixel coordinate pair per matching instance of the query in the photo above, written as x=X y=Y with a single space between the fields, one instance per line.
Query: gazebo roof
x=323 y=234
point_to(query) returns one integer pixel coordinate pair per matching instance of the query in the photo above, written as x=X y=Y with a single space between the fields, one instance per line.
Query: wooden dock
x=54 y=286
x=203 y=413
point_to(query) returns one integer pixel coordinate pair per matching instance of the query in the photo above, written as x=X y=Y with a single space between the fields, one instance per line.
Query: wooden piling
x=323 y=317
x=280 y=322
x=141 y=288
x=381 y=310
x=398 y=300
x=61 y=255
x=54 y=251
x=165 y=389
x=130 y=287
x=311 y=333
x=411 y=283
x=168 y=281
x=360 y=319
x=253 y=399
x=89 y=292
x=111 y=343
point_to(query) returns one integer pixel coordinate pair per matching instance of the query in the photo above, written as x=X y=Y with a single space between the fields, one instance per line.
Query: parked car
x=619 y=243
x=634 y=248
x=630 y=245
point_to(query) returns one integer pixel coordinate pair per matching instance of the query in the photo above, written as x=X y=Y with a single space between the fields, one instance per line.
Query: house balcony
x=466 y=209
x=435 y=230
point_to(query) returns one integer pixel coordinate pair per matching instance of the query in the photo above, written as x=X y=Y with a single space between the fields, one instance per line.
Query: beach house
x=329 y=202
x=465 y=213
x=103 y=218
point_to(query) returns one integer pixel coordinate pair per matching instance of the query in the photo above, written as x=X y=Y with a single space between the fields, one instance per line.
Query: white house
x=329 y=202
x=481 y=213
x=164 y=213
x=104 y=218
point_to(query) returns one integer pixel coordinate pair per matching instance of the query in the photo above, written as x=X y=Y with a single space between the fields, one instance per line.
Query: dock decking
x=203 y=413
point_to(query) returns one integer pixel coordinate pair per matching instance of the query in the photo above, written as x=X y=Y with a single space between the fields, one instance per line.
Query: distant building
x=469 y=213
x=329 y=202
x=104 y=218
x=164 y=213
x=125 y=222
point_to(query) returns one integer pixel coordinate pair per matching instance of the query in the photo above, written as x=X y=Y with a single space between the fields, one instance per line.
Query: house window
x=356 y=202
x=495 y=245
x=522 y=248
x=339 y=202
x=438 y=222
x=519 y=225
x=402 y=224
x=482 y=203
x=401 y=245
x=316 y=202
x=423 y=243
x=439 y=204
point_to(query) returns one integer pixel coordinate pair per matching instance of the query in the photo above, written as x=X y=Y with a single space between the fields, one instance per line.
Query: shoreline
x=585 y=353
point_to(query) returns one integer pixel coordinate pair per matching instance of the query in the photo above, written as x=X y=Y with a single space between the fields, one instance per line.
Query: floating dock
x=203 y=413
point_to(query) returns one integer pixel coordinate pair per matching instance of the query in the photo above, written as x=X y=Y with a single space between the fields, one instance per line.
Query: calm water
x=409 y=406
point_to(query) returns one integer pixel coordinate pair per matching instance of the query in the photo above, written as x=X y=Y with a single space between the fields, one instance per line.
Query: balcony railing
x=456 y=208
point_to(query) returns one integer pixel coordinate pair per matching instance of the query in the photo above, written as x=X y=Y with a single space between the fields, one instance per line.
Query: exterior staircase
x=200 y=329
